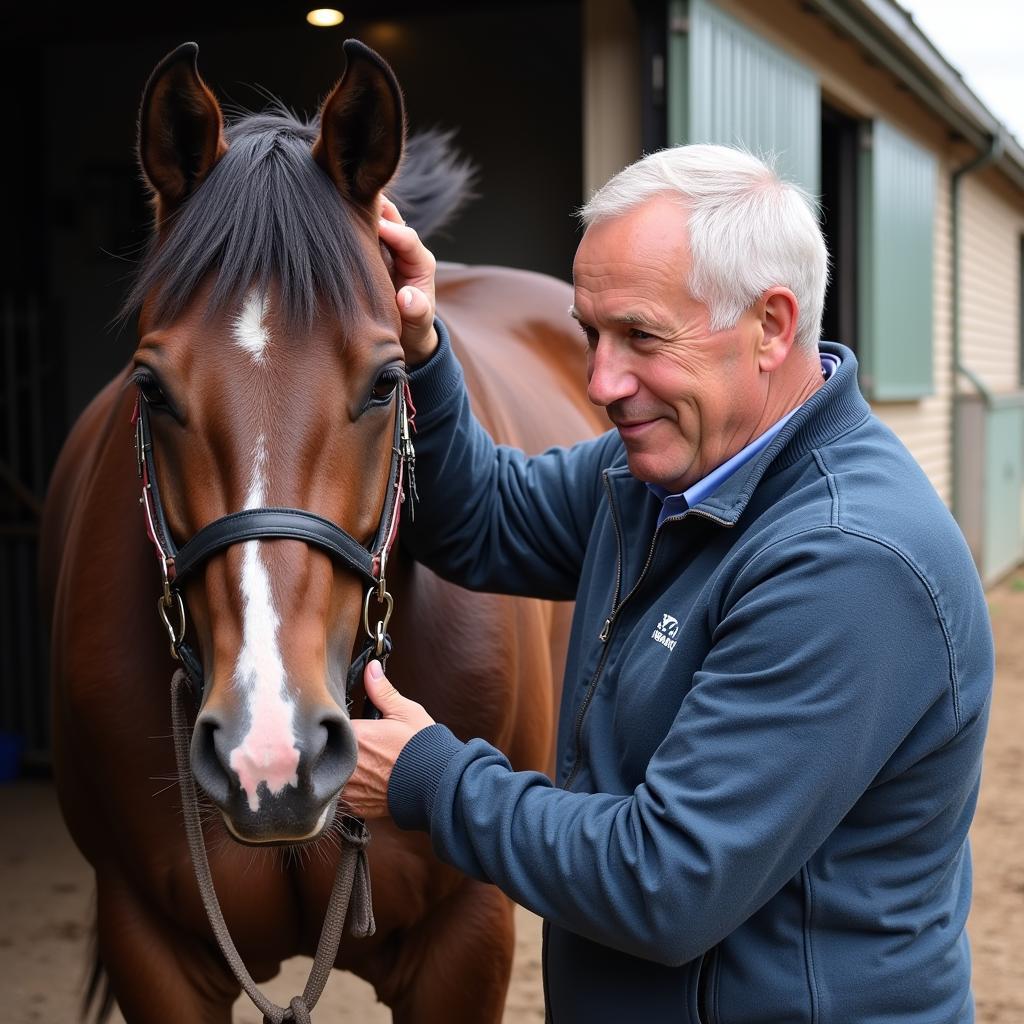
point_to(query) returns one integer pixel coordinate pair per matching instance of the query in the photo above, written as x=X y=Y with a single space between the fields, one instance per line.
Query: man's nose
x=609 y=377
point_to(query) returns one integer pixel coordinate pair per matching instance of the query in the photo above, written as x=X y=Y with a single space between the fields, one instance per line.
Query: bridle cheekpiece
x=178 y=563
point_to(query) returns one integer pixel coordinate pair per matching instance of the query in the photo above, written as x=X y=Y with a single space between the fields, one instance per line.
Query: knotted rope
x=351 y=881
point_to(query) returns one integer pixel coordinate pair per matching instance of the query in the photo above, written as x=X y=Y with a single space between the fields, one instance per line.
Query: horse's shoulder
x=506 y=315
x=74 y=469
x=521 y=352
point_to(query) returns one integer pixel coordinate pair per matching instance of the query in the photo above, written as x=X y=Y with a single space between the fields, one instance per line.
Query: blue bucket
x=11 y=747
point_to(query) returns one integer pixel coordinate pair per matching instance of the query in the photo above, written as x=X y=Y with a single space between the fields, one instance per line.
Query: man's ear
x=779 y=311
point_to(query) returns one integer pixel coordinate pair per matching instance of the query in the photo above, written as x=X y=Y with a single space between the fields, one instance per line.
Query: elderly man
x=780 y=668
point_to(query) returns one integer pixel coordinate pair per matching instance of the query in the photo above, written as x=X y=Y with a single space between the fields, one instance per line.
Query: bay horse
x=269 y=366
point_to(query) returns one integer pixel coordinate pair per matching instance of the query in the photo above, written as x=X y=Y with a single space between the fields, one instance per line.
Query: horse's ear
x=362 y=126
x=181 y=132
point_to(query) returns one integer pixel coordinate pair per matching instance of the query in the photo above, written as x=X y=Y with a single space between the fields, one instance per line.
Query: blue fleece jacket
x=771 y=729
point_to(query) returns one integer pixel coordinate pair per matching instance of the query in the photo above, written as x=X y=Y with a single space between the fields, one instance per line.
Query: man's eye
x=590 y=334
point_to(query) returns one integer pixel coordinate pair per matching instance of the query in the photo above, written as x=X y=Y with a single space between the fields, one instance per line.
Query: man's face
x=684 y=400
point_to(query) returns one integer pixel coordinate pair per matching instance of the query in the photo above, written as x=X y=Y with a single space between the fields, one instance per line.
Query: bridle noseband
x=178 y=563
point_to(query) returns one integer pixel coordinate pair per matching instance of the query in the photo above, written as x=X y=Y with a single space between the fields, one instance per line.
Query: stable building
x=922 y=196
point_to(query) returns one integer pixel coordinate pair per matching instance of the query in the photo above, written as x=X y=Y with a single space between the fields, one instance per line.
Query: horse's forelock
x=265 y=214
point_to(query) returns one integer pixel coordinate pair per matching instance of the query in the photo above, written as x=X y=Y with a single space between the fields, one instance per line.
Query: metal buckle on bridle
x=171 y=601
x=385 y=600
x=175 y=632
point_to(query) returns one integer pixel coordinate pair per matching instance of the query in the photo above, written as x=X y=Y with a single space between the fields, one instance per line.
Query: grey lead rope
x=352 y=880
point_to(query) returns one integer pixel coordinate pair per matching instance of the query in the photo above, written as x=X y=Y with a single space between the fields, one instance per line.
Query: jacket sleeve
x=490 y=517
x=827 y=651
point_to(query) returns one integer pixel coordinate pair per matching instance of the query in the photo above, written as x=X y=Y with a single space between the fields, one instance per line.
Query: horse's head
x=271 y=370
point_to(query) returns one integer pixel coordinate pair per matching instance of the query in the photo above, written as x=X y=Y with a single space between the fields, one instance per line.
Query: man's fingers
x=405 y=243
x=413 y=277
x=414 y=306
x=389 y=211
x=379 y=689
x=391 y=704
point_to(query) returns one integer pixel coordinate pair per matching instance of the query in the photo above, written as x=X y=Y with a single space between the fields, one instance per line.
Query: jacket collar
x=833 y=410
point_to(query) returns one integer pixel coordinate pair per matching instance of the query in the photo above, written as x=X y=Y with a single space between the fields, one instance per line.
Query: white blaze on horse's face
x=268 y=752
x=250 y=331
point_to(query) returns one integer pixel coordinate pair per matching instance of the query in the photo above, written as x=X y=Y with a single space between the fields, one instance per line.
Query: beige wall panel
x=990 y=228
x=611 y=90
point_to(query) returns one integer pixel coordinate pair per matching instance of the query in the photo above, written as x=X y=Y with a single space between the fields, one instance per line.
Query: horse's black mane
x=267 y=212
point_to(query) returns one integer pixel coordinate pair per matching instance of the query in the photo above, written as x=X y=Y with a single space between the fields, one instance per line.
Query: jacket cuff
x=436 y=380
x=417 y=775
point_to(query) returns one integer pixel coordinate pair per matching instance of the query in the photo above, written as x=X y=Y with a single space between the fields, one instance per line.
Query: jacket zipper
x=617 y=605
x=606 y=629
x=705 y=981
x=544 y=971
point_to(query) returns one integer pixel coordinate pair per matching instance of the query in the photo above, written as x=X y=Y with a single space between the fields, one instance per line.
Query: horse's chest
x=256 y=890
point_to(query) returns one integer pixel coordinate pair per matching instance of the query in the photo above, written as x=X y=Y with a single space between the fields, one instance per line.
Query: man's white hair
x=749 y=230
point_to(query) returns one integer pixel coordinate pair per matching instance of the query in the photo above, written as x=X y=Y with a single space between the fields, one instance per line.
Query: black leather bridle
x=177 y=563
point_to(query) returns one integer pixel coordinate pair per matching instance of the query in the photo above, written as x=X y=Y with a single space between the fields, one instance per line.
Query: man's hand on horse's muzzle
x=380 y=743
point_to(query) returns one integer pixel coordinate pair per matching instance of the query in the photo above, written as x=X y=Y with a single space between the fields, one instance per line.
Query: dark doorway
x=652 y=20
x=839 y=158
x=506 y=76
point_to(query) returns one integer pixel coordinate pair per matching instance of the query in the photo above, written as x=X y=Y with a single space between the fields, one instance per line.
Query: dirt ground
x=45 y=887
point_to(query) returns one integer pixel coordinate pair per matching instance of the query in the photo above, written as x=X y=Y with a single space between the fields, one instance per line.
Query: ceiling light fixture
x=325 y=17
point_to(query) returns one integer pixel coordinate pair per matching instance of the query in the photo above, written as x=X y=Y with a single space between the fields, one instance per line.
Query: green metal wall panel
x=1004 y=479
x=729 y=86
x=897 y=182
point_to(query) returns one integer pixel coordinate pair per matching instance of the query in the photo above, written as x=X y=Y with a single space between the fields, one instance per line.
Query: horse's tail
x=98 y=998
x=433 y=181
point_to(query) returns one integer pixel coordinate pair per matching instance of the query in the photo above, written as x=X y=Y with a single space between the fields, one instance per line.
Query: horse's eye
x=386 y=385
x=383 y=390
x=150 y=391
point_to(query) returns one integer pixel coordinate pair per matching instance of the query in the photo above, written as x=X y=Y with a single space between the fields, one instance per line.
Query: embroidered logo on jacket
x=666 y=631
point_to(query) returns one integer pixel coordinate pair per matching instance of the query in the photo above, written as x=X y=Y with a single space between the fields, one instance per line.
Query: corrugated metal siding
x=896 y=265
x=729 y=86
x=990 y=229
x=925 y=426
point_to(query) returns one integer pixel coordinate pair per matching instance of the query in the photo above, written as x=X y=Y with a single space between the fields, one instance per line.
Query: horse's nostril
x=209 y=765
x=335 y=759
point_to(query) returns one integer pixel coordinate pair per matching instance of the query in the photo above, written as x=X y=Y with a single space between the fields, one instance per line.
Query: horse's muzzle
x=273 y=790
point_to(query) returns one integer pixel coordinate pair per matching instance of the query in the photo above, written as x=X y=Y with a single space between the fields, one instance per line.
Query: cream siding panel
x=991 y=229
x=611 y=91
x=925 y=426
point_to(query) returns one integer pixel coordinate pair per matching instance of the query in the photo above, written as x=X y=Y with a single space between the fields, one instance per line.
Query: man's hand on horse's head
x=380 y=743
x=413 y=276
